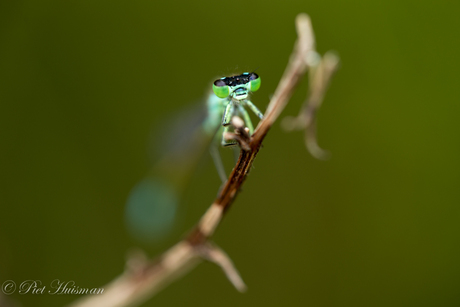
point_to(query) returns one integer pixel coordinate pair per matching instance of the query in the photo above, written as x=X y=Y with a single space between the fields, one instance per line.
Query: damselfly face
x=236 y=87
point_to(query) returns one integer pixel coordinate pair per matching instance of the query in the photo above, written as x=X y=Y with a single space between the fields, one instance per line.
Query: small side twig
x=321 y=72
x=214 y=254
x=136 y=285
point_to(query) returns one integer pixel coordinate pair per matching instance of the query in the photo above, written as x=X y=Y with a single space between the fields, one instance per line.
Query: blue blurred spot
x=150 y=210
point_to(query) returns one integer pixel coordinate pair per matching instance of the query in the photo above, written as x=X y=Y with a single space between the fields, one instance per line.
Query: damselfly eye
x=254 y=80
x=220 y=88
x=219 y=82
x=253 y=76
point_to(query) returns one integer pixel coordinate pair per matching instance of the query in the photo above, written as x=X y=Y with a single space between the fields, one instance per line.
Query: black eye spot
x=220 y=82
x=253 y=76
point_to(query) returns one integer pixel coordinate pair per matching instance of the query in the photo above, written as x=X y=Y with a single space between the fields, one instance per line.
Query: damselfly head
x=237 y=87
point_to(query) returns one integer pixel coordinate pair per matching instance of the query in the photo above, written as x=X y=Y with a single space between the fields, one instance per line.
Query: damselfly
x=152 y=204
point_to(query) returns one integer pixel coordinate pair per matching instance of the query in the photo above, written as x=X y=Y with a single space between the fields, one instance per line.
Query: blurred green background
x=83 y=82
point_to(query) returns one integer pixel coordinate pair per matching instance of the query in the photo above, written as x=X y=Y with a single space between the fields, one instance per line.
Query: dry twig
x=142 y=278
x=321 y=72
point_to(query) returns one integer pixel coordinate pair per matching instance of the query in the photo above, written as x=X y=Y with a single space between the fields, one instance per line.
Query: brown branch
x=142 y=278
